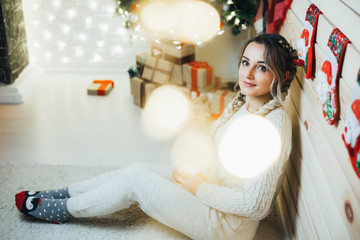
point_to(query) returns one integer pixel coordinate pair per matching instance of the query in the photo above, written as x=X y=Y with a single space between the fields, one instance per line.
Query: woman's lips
x=247 y=84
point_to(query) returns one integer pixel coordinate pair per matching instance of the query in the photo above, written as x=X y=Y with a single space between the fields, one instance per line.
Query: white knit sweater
x=243 y=201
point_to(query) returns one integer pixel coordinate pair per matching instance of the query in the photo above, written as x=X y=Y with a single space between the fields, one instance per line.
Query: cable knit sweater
x=245 y=201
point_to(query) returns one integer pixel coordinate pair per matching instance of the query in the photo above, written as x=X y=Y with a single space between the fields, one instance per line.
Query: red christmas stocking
x=307 y=40
x=328 y=77
x=351 y=134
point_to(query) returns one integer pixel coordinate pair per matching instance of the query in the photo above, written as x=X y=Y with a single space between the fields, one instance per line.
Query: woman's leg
x=92 y=183
x=73 y=190
x=157 y=196
x=81 y=187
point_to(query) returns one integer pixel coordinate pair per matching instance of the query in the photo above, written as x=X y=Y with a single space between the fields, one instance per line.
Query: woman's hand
x=189 y=182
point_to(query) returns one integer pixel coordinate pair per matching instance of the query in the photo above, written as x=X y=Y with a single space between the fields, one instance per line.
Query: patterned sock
x=52 y=210
x=61 y=193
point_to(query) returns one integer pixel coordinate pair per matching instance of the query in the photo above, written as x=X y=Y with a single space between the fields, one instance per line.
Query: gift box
x=196 y=94
x=219 y=101
x=132 y=72
x=157 y=70
x=142 y=90
x=198 y=76
x=179 y=54
x=140 y=62
x=200 y=110
x=176 y=75
x=100 y=87
x=157 y=49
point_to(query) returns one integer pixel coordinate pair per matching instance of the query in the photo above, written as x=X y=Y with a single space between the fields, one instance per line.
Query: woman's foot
x=52 y=210
x=50 y=194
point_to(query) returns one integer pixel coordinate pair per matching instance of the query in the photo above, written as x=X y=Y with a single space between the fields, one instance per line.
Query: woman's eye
x=262 y=68
x=245 y=63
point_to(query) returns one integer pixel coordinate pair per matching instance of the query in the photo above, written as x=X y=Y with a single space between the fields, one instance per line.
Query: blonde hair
x=279 y=56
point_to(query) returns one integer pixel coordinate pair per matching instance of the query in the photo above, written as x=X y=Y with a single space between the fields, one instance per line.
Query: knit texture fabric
x=240 y=199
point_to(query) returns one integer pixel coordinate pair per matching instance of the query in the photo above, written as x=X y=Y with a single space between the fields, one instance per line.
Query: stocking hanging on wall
x=276 y=14
x=328 y=77
x=307 y=40
x=351 y=134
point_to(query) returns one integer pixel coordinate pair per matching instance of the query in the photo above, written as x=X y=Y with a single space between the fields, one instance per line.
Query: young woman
x=215 y=206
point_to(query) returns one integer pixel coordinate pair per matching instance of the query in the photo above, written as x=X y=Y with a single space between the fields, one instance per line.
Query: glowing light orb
x=193 y=151
x=165 y=112
x=193 y=21
x=249 y=146
x=199 y=22
x=157 y=17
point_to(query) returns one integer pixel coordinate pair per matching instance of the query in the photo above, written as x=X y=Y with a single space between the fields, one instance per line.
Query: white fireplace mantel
x=17 y=92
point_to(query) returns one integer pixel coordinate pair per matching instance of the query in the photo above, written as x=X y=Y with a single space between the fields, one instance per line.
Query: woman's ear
x=287 y=75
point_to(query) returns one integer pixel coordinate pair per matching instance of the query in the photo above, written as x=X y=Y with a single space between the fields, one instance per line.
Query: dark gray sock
x=52 y=210
x=61 y=193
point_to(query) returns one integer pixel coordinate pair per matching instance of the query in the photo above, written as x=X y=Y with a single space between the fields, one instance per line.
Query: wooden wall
x=320 y=198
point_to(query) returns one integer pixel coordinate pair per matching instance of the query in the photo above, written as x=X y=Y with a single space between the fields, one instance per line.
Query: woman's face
x=255 y=76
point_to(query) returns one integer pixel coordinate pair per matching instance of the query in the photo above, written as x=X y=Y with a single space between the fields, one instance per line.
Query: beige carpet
x=128 y=224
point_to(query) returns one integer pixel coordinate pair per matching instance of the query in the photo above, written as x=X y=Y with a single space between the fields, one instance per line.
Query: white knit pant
x=154 y=192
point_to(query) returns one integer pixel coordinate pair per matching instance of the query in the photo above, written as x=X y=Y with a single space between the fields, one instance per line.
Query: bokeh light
x=249 y=146
x=188 y=21
x=157 y=17
x=165 y=112
x=199 y=21
x=193 y=151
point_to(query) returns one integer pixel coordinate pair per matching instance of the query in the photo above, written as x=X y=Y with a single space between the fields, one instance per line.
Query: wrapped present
x=142 y=90
x=183 y=90
x=198 y=76
x=157 y=49
x=200 y=110
x=196 y=94
x=132 y=72
x=157 y=70
x=100 y=87
x=220 y=99
x=140 y=62
x=176 y=75
x=179 y=54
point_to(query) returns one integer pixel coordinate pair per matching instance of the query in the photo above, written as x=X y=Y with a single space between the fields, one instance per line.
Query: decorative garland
x=236 y=14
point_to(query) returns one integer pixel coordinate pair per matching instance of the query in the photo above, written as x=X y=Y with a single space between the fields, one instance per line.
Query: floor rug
x=127 y=224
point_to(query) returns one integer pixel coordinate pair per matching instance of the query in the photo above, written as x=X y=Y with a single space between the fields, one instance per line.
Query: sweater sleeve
x=255 y=197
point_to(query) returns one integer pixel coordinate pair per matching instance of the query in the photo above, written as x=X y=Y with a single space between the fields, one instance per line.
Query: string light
x=100 y=44
x=117 y=49
x=56 y=3
x=36 y=6
x=82 y=37
x=47 y=35
x=36 y=23
x=65 y=28
x=48 y=55
x=88 y=21
x=71 y=13
x=96 y=58
x=51 y=18
x=93 y=5
x=61 y=45
x=65 y=60
x=79 y=51
x=104 y=27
